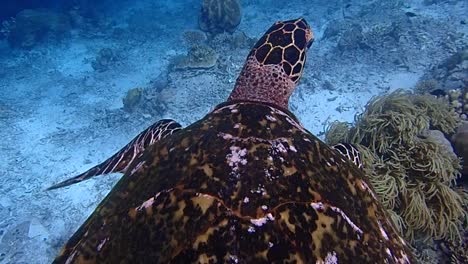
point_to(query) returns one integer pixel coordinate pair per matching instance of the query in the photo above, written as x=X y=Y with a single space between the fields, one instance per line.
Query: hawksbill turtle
x=245 y=184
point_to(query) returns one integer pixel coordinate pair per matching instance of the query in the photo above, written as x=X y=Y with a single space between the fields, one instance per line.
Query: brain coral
x=218 y=16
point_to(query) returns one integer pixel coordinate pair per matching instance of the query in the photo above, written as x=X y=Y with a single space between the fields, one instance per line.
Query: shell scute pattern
x=198 y=210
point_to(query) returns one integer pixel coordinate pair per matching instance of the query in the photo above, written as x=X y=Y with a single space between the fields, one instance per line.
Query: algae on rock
x=132 y=98
x=198 y=57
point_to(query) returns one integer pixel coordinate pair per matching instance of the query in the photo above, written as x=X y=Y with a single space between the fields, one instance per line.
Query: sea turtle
x=245 y=184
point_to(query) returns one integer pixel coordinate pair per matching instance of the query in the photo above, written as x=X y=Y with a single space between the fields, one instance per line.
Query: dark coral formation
x=104 y=60
x=30 y=26
x=352 y=38
x=460 y=143
x=410 y=162
x=451 y=73
x=132 y=98
x=218 y=16
x=458 y=99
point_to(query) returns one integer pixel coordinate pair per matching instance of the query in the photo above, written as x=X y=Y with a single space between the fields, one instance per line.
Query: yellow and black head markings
x=245 y=184
x=275 y=64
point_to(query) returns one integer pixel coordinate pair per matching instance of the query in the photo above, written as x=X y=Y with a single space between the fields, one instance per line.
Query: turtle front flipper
x=120 y=161
x=350 y=152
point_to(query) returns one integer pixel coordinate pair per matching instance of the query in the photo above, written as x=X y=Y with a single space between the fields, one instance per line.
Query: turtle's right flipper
x=120 y=161
x=349 y=151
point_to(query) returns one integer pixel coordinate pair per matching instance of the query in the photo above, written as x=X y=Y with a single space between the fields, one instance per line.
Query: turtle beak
x=302 y=23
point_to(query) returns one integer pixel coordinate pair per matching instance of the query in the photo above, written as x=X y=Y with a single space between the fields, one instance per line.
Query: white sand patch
x=402 y=80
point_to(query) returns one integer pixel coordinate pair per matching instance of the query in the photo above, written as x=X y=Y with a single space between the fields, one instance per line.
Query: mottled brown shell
x=246 y=184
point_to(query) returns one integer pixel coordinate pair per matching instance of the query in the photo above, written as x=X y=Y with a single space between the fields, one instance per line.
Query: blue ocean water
x=79 y=79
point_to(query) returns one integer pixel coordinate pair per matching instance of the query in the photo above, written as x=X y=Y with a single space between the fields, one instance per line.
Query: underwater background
x=79 y=79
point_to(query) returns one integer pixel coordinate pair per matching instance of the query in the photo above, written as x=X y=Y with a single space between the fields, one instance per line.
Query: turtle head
x=275 y=64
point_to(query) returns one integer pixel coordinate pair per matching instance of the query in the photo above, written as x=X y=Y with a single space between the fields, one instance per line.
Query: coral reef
x=104 y=60
x=352 y=38
x=450 y=79
x=410 y=163
x=426 y=86
x=458 y=99
x=132 y=98
x=198 y=57
x=385 y=32
x=460 y=143
x=451 y=73
x=149 y=100
x=30 y=26
x=218 y=16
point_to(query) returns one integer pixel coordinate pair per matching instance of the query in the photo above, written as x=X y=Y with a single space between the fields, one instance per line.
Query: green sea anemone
x=412 y=171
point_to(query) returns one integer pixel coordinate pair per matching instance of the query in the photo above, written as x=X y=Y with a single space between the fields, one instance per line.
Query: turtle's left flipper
x=120 y=161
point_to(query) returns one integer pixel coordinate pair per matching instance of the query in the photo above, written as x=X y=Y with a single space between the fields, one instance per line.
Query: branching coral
x=412 y=170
